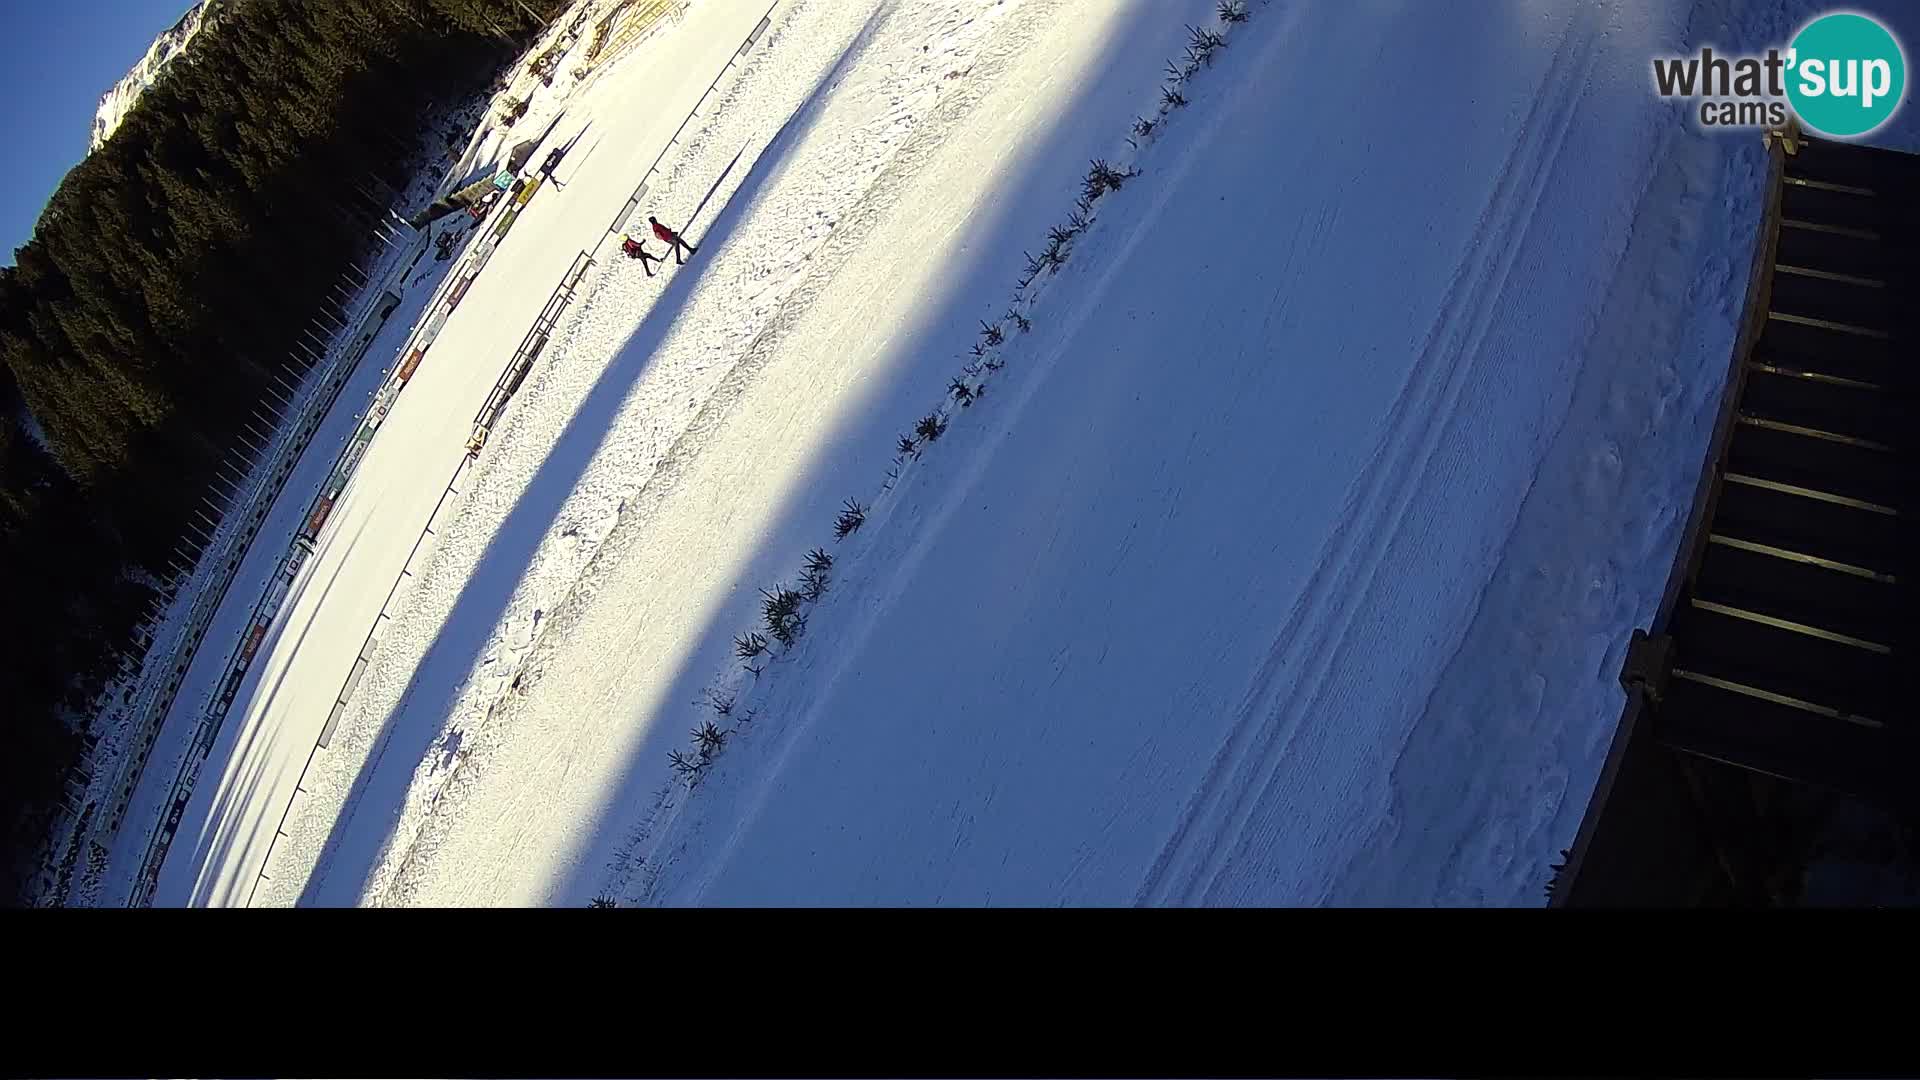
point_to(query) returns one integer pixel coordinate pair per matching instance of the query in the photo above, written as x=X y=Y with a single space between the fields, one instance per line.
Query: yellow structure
x=626 y=26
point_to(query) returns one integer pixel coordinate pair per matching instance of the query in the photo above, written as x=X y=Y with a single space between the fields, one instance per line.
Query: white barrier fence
x=268 y=608
x=250 y=509
x=510 y=379
x=646 y=178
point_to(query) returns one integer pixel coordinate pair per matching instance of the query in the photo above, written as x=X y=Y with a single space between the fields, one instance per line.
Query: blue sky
x=56 y=59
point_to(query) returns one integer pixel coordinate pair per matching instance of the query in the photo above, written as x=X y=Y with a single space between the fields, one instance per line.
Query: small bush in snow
x=1102 y=178
x=781 y=609
x=906 y=446
x=1078 y=221
x=1201 y=45
x=749 y=645
x=720 y=703
x=780 y=604
x=1020 y=321
x=813 y=584
x=603 y=902
x=849 y=521
x=1055 y=256
x=1171 y=98
x=1233 y=11
x=710 y=739
x=961 y=392
x=819 y=560
x=1034 y=266
x=1178 y=74
x=991 y=334
x=1143 y=127
x=687 y=767
x=1204 y=41
x=930 y=427
x=1061 y=234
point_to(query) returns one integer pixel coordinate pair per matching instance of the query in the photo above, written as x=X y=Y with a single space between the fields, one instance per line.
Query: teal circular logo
x=1847 y=75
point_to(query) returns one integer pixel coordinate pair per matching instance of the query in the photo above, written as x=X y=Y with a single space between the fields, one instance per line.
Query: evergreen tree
x=143 y=322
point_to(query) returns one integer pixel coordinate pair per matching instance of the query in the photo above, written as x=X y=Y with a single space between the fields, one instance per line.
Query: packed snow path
x=1284 y=562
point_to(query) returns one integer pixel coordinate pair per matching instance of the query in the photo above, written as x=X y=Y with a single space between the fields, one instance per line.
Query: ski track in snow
x=1346 y=580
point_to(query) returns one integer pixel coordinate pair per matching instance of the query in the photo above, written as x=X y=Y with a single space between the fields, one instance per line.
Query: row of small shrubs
x=784 y=608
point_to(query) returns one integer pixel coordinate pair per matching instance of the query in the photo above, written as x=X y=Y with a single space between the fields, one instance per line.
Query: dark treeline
x=164 y=286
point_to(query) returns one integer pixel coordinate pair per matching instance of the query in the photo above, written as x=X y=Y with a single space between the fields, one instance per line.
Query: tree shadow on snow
x=218 y=831
x=374 y=802
x=1041 y=180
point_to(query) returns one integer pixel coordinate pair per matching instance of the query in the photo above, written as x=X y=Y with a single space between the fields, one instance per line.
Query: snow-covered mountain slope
x=117 y=102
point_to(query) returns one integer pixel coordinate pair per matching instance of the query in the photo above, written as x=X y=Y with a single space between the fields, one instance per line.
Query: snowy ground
x=1276 y=384
x=253 y=775
x=110 y=880
x=412 y=270
x=816 y=122
x=1286 y=561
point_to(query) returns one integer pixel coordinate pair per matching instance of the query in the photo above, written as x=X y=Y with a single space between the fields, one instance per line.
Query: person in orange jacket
x=637 y=250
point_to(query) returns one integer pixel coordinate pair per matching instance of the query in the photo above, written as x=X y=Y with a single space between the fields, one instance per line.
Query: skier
x=672 y=240
x=552 y=163
x=637 y=250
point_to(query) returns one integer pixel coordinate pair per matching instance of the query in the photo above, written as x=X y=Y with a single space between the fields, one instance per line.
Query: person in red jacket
x=672 y=240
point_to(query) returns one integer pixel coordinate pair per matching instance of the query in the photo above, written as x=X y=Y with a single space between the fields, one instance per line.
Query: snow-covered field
x=257 y=764
x=1285 y=560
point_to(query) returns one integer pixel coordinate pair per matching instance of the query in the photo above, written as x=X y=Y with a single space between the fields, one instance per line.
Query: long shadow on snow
x=347 y=860
x=1043 y=177
x=219 y=834
x=851 y=461
x=387 y=343
x=221 y=831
